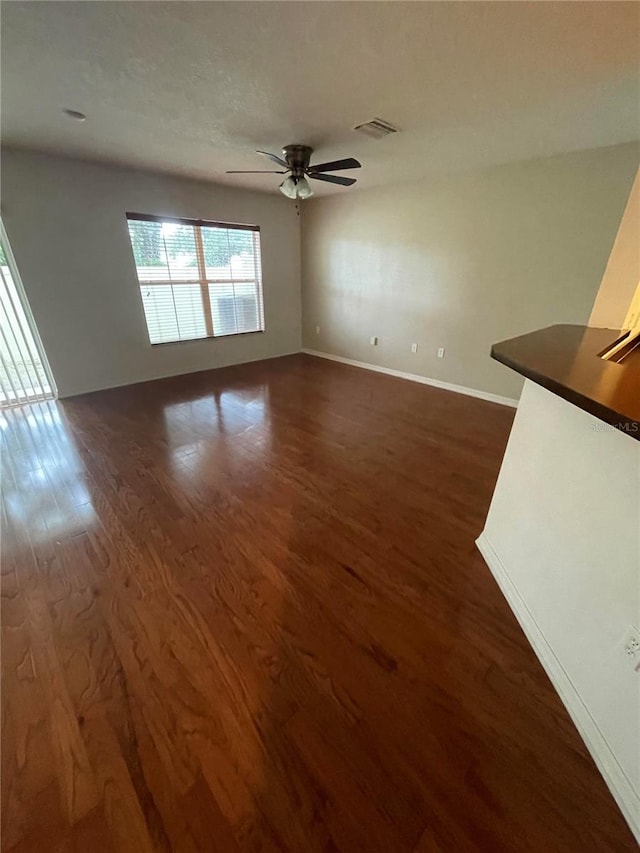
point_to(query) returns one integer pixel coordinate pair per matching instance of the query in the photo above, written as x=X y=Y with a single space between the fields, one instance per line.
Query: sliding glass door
x=24 y=371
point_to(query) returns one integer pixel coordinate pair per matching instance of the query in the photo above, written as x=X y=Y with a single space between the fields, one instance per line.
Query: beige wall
x=461 y=263
x=622 y=274
x=66 y=224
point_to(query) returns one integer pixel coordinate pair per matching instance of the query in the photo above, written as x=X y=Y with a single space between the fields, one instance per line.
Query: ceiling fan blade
x=275 y=158
x=254 y=172
x=332 y=179
x=336 y=165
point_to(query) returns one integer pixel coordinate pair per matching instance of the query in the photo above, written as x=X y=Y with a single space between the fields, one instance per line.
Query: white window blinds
x=197 y=279
x=24 y=370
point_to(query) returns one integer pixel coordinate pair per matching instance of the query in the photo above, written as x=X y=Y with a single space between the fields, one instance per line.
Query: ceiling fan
x=296 y=161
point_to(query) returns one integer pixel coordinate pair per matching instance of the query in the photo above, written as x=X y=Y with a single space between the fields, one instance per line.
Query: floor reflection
x=44 y=485
x=198 y=432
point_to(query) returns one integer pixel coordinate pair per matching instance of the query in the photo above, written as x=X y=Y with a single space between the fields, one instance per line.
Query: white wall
x=563 y=539
x=461 y=263
x=66 y=224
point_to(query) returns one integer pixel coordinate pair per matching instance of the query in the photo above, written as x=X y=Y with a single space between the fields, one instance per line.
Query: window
x=197 y=279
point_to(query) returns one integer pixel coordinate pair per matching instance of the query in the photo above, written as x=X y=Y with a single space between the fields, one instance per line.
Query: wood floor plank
x=242 y=610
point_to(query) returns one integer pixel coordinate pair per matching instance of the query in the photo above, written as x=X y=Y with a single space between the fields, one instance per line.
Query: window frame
x=202 y=279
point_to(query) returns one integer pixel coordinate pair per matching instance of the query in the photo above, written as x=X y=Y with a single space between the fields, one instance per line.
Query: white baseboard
x=627 y=798
x=415 y=377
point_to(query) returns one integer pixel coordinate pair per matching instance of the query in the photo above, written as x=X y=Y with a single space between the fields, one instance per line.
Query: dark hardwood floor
x=242 y=610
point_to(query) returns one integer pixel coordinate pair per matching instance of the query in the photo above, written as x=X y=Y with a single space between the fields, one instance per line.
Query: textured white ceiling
x=194 y=87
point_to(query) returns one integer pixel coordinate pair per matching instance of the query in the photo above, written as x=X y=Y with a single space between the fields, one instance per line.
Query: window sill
x=207 y=338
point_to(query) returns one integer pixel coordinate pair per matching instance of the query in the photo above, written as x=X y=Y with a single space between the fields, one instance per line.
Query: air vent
x=376 y=128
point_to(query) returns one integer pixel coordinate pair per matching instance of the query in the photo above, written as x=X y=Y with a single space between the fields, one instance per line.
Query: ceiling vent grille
x=376 y=128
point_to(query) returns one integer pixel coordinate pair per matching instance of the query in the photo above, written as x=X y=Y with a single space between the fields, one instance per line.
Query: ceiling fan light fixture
x=295 y=188
x=288 y=187
x=304 y=188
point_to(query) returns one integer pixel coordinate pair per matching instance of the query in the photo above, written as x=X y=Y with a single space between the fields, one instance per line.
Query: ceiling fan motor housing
x=298 y=157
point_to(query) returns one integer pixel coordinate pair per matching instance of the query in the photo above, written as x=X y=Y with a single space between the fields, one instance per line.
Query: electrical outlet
x=414 y=347
x=317 y=330
x=373 y=341
x=631 y=647
x=441 y=352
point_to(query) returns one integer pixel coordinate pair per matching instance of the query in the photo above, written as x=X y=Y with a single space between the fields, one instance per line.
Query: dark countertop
x=565 y=360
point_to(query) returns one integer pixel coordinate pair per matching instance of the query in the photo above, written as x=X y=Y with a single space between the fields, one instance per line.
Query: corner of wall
x=622 y=273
